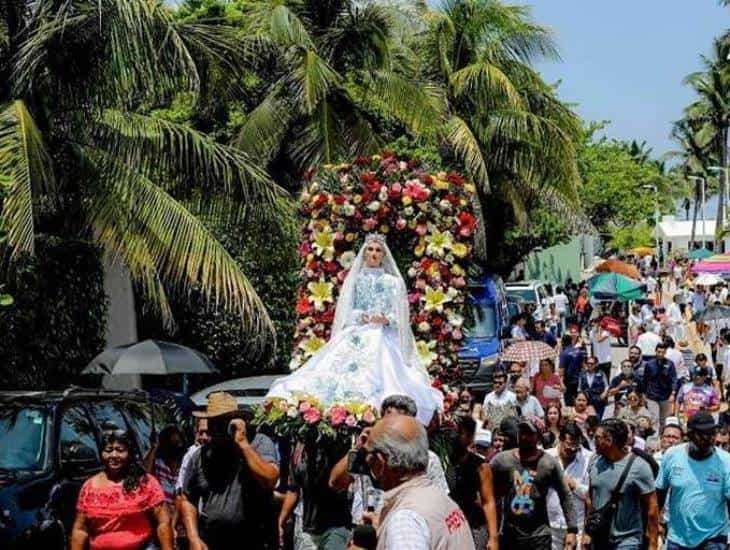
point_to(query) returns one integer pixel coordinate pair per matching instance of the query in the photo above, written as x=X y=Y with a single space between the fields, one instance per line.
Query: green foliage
x=626 y=238
x=56 y=324
x=268 y=253
x=613 y=193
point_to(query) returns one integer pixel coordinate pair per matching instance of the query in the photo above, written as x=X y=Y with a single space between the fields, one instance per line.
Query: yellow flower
x=384 y=229
x=350 y=237
x=324 y=243
x=321 y=292
x=440 y=184
x=438 y=242
x=457 y=270
x=460 y=250
x=470 y=187
x=406 y=200
x=311 y=345
x=435 y=299
x=425 y=352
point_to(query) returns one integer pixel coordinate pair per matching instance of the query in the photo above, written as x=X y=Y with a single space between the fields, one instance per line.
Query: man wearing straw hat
x=227 y=495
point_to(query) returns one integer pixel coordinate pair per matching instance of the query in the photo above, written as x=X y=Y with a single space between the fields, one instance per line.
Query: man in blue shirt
x=659 y=383
x=697 y=477
x=571 y=364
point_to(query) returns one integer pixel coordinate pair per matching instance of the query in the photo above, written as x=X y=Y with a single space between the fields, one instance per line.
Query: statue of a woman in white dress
x=371 y=353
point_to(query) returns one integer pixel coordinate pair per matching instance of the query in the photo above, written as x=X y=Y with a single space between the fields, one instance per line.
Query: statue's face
x=373 y=254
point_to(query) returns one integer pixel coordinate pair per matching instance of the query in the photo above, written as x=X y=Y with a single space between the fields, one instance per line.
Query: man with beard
x=618 y=476
x=522 y=478
x=637 y=364
x=227 y=494
x=697 y=477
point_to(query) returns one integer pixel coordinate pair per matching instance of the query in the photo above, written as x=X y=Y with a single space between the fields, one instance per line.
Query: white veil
x=346 y=300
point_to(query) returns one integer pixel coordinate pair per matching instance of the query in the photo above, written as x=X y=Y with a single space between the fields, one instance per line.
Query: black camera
x=356 y=463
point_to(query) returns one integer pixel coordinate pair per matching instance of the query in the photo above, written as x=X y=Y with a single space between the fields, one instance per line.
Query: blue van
x=480 y=351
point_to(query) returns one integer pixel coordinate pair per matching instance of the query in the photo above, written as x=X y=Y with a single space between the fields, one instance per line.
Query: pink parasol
x=711 y=267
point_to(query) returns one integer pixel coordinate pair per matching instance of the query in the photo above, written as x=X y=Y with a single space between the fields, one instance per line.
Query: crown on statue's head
x=376 y=237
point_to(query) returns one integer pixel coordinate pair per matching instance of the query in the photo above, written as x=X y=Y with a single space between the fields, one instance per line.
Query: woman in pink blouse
x=545 y=378
x=121 y=507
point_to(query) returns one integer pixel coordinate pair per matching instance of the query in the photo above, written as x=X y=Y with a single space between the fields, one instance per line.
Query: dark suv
x=49 y=445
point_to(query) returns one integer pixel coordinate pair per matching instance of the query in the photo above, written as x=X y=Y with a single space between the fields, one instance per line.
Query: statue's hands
x=379 y=320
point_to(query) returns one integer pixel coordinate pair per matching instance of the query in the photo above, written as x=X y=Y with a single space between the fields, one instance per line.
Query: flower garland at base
x=303 y=417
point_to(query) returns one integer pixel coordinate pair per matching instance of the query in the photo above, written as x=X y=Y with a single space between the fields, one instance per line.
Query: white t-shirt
x=648 y=342
x=676 y=357
x=650 y=284
x=602 y=350
x=561 y=303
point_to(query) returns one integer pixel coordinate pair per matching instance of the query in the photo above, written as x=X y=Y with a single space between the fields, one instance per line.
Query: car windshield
x=484 y=320
x=525 y=294
x=22 y=438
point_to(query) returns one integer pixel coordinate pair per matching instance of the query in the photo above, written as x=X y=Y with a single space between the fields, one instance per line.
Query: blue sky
x=624 y=60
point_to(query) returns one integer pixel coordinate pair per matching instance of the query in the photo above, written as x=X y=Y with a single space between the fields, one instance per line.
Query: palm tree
x=340 y=70
x=502 y=121
x=710 y=113
x=695 y=157
x=83 y=155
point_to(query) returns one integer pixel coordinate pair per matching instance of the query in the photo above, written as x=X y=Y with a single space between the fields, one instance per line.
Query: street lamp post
x=656 y=217
x=701 y=179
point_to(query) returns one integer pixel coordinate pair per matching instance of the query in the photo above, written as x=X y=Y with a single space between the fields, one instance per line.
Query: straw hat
x=219 y=404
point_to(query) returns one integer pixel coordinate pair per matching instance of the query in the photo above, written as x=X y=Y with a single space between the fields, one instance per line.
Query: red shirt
x=118 y=520
x=539 y=384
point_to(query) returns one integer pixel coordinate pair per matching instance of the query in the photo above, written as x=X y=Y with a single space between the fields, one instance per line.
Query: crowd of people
x=567 y=453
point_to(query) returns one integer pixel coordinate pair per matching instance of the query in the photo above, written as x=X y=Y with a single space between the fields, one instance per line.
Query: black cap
x=701 y=421
x=529 y=424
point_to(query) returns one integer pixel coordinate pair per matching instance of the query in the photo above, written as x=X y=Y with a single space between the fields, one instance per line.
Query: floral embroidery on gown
x=364 y=361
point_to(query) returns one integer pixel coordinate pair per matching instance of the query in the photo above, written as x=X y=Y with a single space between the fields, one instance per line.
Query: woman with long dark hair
x=122 y=507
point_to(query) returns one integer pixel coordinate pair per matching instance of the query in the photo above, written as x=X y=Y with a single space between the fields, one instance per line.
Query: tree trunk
x=722 y=190
x=695 y=211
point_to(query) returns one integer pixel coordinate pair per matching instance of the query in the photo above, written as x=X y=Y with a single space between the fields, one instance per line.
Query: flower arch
x=429 y=222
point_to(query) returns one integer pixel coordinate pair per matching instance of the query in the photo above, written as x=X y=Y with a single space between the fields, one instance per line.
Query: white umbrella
x=708 y=279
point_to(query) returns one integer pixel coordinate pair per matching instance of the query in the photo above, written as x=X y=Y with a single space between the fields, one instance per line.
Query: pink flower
x=368 y=417
x=414 y=297
x=416 y=191
x=304 y=406
x=312 y=416
x=351 y=421
x=456 y=334
x=397 y=187
x=370 y=223
x=458 y=282
x=337 y=415
x=400 y=224
x=421 y=229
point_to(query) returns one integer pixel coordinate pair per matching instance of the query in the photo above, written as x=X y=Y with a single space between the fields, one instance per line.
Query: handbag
x=598 y=523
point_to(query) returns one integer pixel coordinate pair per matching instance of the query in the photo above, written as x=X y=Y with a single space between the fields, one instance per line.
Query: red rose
x=436 y=321
x=454 y=178
x=304 y=307
x=331 y=267
x=340 y=199
x=320 y=200
x=428 y=180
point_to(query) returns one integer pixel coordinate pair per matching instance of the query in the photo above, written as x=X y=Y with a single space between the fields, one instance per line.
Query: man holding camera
x=227 y=493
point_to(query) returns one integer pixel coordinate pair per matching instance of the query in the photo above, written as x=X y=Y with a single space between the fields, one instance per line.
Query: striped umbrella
x=528 y=351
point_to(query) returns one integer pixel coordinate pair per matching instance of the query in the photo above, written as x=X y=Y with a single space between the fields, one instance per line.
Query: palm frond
x=312 y=78
x=261 y=134
x=171 y=243
x=468 y=149
x=484 y=81
x=155 y=145
x=25 y=163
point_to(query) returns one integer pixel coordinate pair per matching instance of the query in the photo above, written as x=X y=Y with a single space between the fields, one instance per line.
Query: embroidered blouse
x=118 y=520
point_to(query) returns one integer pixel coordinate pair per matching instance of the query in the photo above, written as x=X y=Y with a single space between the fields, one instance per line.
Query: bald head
x=402 y=440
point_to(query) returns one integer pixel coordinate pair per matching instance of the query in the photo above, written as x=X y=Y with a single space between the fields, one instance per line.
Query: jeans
x=715 y=543
x=660 y=410
x=335 y=538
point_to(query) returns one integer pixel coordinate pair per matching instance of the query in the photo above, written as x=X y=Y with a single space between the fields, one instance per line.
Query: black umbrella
x=712 y=313
x=150 y=357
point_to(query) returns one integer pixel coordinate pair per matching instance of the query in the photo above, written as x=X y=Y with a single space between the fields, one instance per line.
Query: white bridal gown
x=363 y=362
